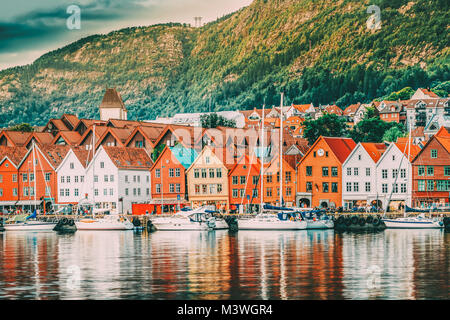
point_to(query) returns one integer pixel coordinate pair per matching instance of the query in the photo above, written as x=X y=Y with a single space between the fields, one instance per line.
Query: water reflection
x=394 y=264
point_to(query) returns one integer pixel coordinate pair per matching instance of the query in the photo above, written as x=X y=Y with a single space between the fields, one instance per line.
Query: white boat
x=270 y=221
x=110 y=222
x=32 y=225
x=317 y=221
x=196 y=219
x=419 y=222
x=26 y=222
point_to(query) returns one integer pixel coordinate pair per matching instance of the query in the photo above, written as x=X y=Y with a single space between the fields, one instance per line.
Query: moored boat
x=419 y=222
x=270 y=221
x=196 y=219
x=109 y=222
x=28 y=223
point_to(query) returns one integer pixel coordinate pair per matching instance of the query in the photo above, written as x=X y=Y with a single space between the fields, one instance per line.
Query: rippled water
x=393 y=264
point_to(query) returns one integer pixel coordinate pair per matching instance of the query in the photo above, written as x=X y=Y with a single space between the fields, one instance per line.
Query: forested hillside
x=315 y=51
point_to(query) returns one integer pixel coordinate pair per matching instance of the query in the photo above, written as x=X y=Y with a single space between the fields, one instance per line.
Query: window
x=359 y=157
x=402 y=173
x=105 y=178
x=219 y=188
x=315 y=154
x=171 y=172
x=334 y=171
x=393 y=158
x=105 y=192
x=171 y=187
x=430 y=185
x=384 y=173
x=394 y=188
x=403 y=188
x=134 y=178
x=349 y=187
x=47 y=176
x=67 y=192
x=31 y=177
x=241 y=193
x=126 y=191
x=288 y=191
x=1 y=192
x=204 y=173
x=278 y=176
x=197 y=189
x=76 y=179
x=384 y=188
x=269 y=192
x=309 y=171
x=81 y=179
x=63 y=179
x=235 y=193
x=14 y=177
x=309 y=186
x=421 y=185
x=196 y=173
x=76 y=193
x=269 y=177
x=367 y=172
x=234 y=180
x=15 y=192
x=243 y=179
x=219 y=173
x=111 y=178
x=126 y=177
x=204 y=188
x=356 y=171
x=349 y=171
x=177 y=187
x=72 y=165
x=255 y=193
x=356 y=186
x=158 y=173
x=102 y=165
x=447 y=171
x=325 y=187
x=48 y=191
x=421 y=170
x=430 y=170
x=324 y=171
x=288 y=176
x=177 y=172
x=394 y=173
x=147 y=191
x=61 y=192
x=32 y=191
x=95 y=178
x=207 y=160
x=443 y=185
x=434 y=153
x=212 y=189
x=134 y=191
x=211 y=173
x=158 y=188
x=334 y=187
x=255 y=180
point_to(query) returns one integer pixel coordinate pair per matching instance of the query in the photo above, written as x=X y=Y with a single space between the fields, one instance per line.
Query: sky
x=30 y=28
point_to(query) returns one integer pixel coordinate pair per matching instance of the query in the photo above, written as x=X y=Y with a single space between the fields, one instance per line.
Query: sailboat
x=26 y=222
x=107 y=222
x=419 y=222
x=265 y=220
x=187 y=220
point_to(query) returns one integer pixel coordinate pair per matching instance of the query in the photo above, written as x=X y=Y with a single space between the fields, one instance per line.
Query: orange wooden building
x=272 y=181
x=10 y=158
x=319 y=172
x=243 y=184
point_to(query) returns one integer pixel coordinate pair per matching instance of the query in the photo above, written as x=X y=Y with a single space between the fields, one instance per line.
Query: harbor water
x=322 y=264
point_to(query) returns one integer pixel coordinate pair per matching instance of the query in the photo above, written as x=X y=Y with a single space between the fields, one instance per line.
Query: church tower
x=112 y=106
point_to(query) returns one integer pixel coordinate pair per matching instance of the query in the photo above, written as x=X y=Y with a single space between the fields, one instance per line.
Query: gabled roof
x=185 y=156
x=445 y=142
x=70 y=137
x=375 y=150
x=89 y=123
x=99 y=130
x=129 y=158
x=443 y=132
x=58 y=124
x=71 y=118
x=405 y=145
x=14 y=154
x=42 y=138
x=246 y=160
x=333 y=109
x=175 y=129
x=81 y=154
x=303 y=108
x=150 y=133
x=351 y=109
x=112 y=99
x=17 y=138
x=341 y=147
x=120 y=134
x=428 y=93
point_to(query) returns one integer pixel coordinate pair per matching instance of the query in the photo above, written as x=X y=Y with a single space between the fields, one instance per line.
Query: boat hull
x=180 y=226
x=99 y=226
x=44 y=226
x=272 y=225
x=320 y=224
x=399 y=224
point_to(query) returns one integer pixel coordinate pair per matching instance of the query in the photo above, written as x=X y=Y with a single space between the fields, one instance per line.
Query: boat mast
x=34 y=173
x=281 y=149
x=93 y=170
x=262 y=160
x=409 y=166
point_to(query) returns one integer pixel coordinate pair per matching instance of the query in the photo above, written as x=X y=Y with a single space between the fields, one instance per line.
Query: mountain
x=315 y=51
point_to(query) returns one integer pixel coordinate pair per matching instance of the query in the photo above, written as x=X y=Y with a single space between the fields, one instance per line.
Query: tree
x=374 y=130
x=392 y=134
x=329 y=125
x=157 y=151
x=213 y=120
x=23 y=127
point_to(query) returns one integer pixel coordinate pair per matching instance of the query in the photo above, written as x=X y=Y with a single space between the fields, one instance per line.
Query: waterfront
x=393 y=264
